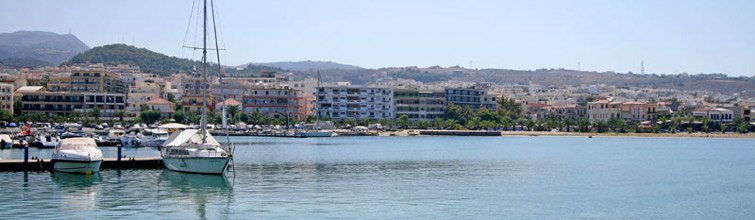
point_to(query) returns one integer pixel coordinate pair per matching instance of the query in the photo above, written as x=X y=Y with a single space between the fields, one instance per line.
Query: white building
x=714 y=114
x=355 y=102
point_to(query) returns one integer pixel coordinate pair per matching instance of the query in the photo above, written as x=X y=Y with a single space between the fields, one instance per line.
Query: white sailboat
x=77 y=155
x=316 y=129
x=196 y=151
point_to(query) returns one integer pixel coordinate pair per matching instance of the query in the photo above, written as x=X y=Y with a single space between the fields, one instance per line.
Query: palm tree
x=584 y=125
x=95 y=113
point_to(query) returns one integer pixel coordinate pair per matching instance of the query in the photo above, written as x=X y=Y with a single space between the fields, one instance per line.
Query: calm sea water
x=413 y=178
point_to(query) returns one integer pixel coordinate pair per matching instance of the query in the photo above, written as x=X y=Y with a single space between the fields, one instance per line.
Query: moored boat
x=77 y=155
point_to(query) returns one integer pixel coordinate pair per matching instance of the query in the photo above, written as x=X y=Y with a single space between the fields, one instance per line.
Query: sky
x=669 y=37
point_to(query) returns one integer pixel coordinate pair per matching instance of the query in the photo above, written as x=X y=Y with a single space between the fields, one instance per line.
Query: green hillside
x=148 y=61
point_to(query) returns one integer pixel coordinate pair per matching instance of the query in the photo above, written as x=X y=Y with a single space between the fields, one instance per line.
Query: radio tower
x=642 y=67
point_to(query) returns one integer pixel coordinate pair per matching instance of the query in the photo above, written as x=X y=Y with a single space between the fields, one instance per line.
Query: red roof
x=158 y=100
x=229 y=102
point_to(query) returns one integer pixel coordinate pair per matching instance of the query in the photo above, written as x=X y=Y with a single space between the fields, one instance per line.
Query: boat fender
x=159 y=148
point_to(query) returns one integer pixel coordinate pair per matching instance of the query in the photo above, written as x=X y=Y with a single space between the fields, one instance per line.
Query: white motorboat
x=77 y=155
x=154 y=137
x=131 y=139
x=49 y=141
x=188 y=151
x=314 y=133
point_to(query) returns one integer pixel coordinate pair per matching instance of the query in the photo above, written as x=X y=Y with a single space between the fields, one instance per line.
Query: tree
x=601 y=126
x=171 y=98
x=568 y=122
x=349 y=121
x=231 y=109
x=179 y=117
x=508 y=107
x=742 y=127
x=723 y=128
x=530 y=124
x=17 y=107
x=95 y=113
x=616 y=124
x=365 y=121
x=453 y=112
x=452 y=124
x=119 y=114
x=149 y=116
x=144 y=107
x=403 y=121
x=584 y=125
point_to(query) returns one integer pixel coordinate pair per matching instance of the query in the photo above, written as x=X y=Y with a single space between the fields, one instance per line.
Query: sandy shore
x=595 y=134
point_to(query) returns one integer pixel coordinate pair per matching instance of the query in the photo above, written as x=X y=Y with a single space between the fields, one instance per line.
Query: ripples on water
x=415 y=178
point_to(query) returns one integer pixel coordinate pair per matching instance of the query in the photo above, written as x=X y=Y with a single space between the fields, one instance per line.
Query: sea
x=417 y=177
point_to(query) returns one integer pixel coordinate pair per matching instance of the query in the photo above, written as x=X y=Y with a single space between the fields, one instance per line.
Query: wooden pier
x=107 y=163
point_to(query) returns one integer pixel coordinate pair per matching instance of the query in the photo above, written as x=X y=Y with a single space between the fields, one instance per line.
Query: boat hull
x=202 y=165
x=74 y=166
x=153 y=142
x=315 y=134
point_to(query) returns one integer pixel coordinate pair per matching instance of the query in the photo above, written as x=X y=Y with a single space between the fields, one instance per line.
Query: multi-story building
x=473 y=97
x=142 y=92
x=275 y=102
x=419 y=104
x=6 y=97
x=602 y=110
x=345 y=101
x=632 y=111
x=572 y=111
x=714 y=114
x=64 y=103
x=93 y=81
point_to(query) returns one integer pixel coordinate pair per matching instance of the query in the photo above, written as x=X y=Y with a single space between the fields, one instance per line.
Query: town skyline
x=668 y=37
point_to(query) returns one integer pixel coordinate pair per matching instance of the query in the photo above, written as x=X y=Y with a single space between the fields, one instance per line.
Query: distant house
x=165 y=107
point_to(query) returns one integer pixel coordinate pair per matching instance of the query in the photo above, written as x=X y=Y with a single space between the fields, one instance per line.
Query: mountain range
x=38 y=48
x=309 y=65
x=34 y=48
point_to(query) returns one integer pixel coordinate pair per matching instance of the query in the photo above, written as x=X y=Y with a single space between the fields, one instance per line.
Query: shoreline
x=588 y=134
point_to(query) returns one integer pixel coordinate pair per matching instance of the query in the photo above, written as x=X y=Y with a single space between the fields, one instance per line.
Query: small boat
x=6 y=140
x=154 y=137
x=314 y=133
x=131 y=139
x=45 y=141
x=77 y=155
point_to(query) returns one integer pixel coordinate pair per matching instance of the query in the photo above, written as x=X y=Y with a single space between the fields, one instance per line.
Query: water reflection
x=199 y=190
x=77 y=191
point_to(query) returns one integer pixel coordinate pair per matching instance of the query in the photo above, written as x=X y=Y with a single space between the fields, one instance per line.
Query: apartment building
x=473 y=97
x=64 y=103
x=340 y=102
x=419 y=104
x=275 y=102
x=6 y=97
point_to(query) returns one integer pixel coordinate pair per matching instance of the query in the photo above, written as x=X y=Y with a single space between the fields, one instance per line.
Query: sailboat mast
x=220 y=72
x=204 y=77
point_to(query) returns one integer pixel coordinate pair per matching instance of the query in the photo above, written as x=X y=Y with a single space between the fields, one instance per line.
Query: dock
x=462 y=133
x=107 y=163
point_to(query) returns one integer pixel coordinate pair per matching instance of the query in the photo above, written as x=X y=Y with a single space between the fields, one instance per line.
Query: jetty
x=107 y=163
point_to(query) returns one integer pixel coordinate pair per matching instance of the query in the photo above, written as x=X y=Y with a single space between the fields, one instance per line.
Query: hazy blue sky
x=670 y=36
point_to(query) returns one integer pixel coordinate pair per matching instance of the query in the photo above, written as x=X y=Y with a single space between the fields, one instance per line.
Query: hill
x=38 y=48
x=310 y=65
x=148 y=61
